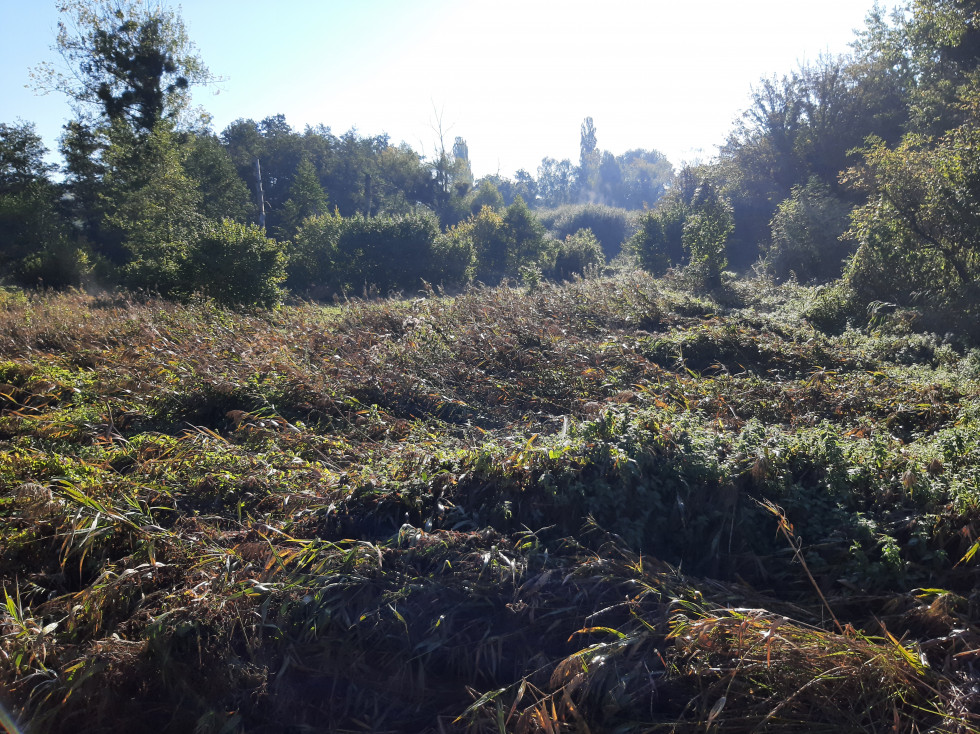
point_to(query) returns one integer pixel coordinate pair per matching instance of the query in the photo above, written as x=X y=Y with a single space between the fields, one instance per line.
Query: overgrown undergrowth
x=606 y=506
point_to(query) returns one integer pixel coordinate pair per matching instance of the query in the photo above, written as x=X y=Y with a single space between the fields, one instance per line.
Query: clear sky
x=515 y=78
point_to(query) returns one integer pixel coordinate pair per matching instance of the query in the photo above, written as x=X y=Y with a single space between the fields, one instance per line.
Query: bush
x=832 y=308
x=657 y=243
x=502 y=244
x=806 y=234
x=576 y=253
x=707 y=225
x=385 y=253
x=453 y=258
x=486 y=238
x=918 y=233
x=389 y=253
x=609 y=225
x=237 y=265
x=486 y=194
x=312 y=269
x=527 y=241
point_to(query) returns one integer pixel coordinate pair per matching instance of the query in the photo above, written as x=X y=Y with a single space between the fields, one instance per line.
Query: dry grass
x=387 y=517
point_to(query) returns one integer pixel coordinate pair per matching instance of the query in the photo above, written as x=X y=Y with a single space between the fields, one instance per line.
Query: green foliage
x=153 y=203
x=917 y=234
x=35 y=247
x=576 y=254
x=306 y=199
x=807 y=232
x=333 y=253
x=657 y=242
x=695 y=220
x=555 y=182
x=527 y=242
x=608 y=224
x=454 y=257
x=833 y=306
x=223 y=193
x=504 y=243
x=313 y=260
x=388 y=253
x=485 y=194
x=706 y=229
x=21 y=157
x=130 y=60
x=237 y=265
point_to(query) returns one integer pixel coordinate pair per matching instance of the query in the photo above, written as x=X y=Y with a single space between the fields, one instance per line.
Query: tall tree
x=82 y=146
x=589 y=157
x=130 y=60
x=33 y=237
x=306 y=199
x=223 y=193
x=555 y=181
x=154 y=205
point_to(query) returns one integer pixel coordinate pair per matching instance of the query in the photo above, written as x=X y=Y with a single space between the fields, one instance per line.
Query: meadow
x=611 y=505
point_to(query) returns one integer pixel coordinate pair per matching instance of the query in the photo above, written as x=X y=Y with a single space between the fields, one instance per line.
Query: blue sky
x=515 y=78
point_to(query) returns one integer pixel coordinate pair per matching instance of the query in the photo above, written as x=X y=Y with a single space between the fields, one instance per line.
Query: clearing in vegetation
x=604 y=506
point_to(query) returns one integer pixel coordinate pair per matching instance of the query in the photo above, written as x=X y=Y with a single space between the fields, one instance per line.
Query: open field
x=606 y=506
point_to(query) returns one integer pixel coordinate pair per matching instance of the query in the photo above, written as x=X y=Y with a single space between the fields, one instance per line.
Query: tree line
x=149 y=197
x=859 y=171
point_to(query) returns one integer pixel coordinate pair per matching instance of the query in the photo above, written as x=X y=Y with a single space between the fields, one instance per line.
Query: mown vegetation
x=604 y=506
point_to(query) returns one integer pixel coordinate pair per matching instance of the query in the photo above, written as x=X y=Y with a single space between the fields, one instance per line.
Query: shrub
x=453 y=258
x=486 y=194
x=389 y=253
x=657 y=242
x=576 y=253
x=832 y=307
x=609 y=225
x=504 y=243
x=527 y=241
x=706 y=228
x=487 y=239
x=313 y=269
x=806 y=234
x=238 y=265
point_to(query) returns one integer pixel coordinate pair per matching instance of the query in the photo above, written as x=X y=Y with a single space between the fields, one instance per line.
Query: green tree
x=129 y=60
x=555 y=182
x=488 y=241
x=526 y=187
x=587 y=176
x=387 y=253
x=576 y=253
x=807 y=234
x=486 y=194
x=154 y=204
x=82 y=147
x=34 y=243
x=918 y=234
x=706 y=230
x=645 y=177
x=223 y=193
x=306 y=199
x=527 y=243
x=314 y=268
x=659 y=241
